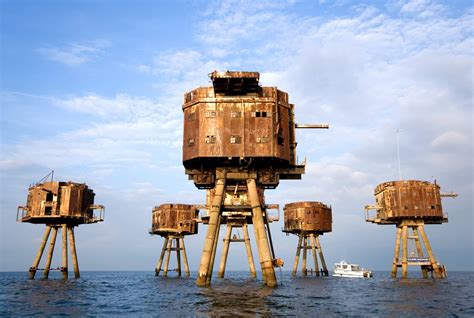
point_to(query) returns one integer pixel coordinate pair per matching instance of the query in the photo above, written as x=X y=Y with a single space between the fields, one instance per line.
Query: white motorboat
x=343 y=269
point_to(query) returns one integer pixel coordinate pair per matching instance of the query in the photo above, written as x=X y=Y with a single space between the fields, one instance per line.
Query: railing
x=101 y=214
x=275 y=216
x=24 y=212
x=368 y=217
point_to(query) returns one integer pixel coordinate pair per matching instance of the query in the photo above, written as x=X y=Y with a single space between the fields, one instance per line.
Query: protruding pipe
x=168 y=254
x=297 y=257
x=185 y=257
x=214 y=220
x=72 y=246
x=312 y=126
x=37 y=260
x=50 y=253
x=396 y=253
x=312 y=243
x=225 y=251
x=160 y=260
x=268 y=270
x=321 y=256
x=64 y=268
x=404 y=252
x=248 y=248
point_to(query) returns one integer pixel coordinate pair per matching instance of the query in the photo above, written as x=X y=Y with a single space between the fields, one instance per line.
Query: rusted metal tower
x=239 y=136
x=59 y=205
x=173 y=222
x=410 y=204
x=308 y=220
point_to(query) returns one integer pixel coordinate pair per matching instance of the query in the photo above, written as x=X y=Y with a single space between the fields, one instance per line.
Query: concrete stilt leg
x=64 y=268
x=213 y=255
x=160 y=261
x=50 y=253
x=248 y=248
x=419 y=250
x=168 y=254
x=304 y=270
x=212 y=230
x=404 y=252
x=185 y=257
x=396 y=253
x=72 y=246
x=268 y=271
x=312 y=242
x=321 y=256
x=37 y=259
x=225 y=251
x=297 y=257
x=178 y=255
x=434 y=264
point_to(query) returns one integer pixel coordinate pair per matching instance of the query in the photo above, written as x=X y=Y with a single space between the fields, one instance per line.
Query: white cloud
x=75 y=53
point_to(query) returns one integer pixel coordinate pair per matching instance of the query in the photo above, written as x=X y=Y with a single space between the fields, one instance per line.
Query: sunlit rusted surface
x=307 y=217
x=60 y=203
x=174 y=219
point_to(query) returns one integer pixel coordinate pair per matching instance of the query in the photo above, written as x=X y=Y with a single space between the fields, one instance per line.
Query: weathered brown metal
x=59 y=205
x=307 y=217
x=238 y=140
x=308 y=220
x=173 y=222
x=410 y=204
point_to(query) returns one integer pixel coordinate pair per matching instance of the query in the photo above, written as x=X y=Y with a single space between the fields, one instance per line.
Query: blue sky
x=93 y=90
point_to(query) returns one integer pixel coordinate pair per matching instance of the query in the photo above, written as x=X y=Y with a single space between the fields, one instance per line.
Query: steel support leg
x=396 y=253
x=404 y=252
x=50 y=253
x=297 y=257
x=64 y=268
x=72 y=246
x=160 y=261
x=268 y=271
x=37 y=259
x=212 y=230
x=225 y=251
x=185 y=257
x=321 y=256
x=248 y=248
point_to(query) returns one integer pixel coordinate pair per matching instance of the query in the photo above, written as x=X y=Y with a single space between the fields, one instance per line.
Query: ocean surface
x=143 y=294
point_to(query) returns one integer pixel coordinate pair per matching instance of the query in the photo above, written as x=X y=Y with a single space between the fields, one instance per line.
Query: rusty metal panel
x=307 y=217
x=174 y=219
x=60 y=202
x=408 y=199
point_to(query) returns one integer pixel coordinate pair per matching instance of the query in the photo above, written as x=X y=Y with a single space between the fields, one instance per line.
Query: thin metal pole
x=50 y=253
x=37 y=260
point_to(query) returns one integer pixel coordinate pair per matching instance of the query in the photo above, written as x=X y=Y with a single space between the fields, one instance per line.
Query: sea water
x=143 y=294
